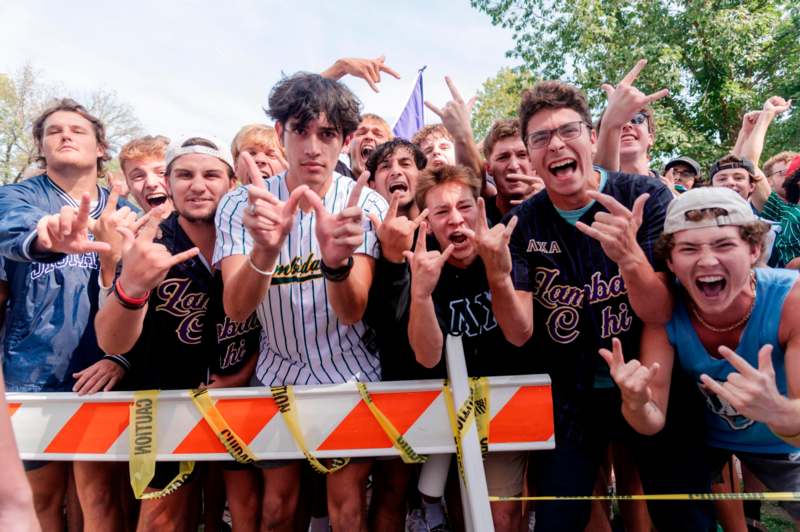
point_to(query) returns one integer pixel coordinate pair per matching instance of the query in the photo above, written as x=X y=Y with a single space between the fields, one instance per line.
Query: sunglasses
x=639 y=118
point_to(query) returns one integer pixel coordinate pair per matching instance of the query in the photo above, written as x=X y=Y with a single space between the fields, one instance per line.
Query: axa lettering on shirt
x=191 y=306
x=85 y=260
x=298 y=270
x=543 y=246
x=564 y=301
x=471 y=317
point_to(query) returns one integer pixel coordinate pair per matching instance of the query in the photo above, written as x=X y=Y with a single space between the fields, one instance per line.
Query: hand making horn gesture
x=492 y=244
x=632 y=377
x=145 y=263
x=751 y=391
x=616 y=229
x=68 y=231
x=396 y=233
x=625 y=100
x=340 y=234
x=367 y=69
x=426 y=266
x=105 y=227
x=455 y=113
x=529 y=184
x=266 y=218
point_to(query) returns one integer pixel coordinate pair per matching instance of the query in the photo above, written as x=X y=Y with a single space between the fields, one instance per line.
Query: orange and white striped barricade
x=334 y=420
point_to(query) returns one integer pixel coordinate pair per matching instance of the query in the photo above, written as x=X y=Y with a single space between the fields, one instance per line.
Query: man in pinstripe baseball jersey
x=294 y=249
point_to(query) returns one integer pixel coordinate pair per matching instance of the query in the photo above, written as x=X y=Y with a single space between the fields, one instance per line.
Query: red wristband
x=128 y=301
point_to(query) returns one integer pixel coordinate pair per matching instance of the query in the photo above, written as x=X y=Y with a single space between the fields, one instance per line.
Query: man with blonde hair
x=261 y=142
x=142 y=163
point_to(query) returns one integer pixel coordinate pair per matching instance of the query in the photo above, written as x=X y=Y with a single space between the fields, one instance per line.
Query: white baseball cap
x=177 y=148
x=738 y=211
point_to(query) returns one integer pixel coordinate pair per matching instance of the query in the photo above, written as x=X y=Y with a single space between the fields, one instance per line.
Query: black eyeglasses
x=540 y=139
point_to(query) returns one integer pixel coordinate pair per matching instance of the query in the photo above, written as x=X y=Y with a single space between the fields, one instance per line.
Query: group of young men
x=556 y=250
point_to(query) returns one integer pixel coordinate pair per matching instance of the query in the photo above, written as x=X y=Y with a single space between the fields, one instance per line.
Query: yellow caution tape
x=774 y=496
x=142 y=447
x=407 y=453
x=284 y=398
x=479 y=387
x=235 y=445
x=459 y=423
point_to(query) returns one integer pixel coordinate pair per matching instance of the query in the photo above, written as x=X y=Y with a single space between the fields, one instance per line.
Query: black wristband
x=336 y=275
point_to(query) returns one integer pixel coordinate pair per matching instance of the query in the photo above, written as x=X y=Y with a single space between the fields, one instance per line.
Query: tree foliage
x=23 y=96
x=719 y=59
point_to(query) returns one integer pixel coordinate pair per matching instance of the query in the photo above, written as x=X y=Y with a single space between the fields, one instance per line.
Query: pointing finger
x=316 y=203
x=657 y=95
x=447 y=252
x=483 y=223
x=150 y=229
x=376 y=222
x=438 y=112
x=631 y=76
x=613 y=206
x=609 y=89
x=422 y=216
x=113 y=197
x=393 y=205
x=453 y=90
x=765 y=359
x=252 y=170
x=512 y=223
x=183 y=255
x=638 y=207
x=741 y=365
x=290 y=208
x=386 y=68
x=471 y=104
x=422 y=245
x=355 y=194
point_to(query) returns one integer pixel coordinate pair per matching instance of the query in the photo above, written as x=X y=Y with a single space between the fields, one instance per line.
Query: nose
x=514 y=164
x=707 y=257
x=312 y=146
x=555 y=143
x=152 y=180
x=455 y=217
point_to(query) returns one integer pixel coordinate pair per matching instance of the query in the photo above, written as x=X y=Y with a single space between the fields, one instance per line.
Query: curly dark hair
x=551 y=95
x=305 y=96
x=68 y=104
x=387 y=149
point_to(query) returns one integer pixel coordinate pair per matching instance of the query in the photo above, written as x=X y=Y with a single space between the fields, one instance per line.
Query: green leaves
x=719 y=59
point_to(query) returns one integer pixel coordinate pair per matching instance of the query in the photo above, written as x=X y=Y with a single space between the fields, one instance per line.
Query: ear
x=279 y=131
x=346 y=143
x=755 y=253
x=486 y=167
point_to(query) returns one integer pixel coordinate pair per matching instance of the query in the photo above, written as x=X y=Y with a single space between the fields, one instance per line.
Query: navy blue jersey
x=53 y=297
x=186 y=333
x=580 y=299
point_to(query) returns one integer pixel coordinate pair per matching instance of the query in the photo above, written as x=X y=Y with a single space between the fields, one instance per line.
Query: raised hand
x=144 y=263
x=426 y=266
x=340 y=234
x=266 y=218
x=68 y=231
x=105 y=227
x=492 y=244
x=367 y=69
x=616 y=229
x=777 y=105
x=632 y=377
x=396 y=233
x=752 y=392
x=625 y=100
x=456 y=113
x=532 y=184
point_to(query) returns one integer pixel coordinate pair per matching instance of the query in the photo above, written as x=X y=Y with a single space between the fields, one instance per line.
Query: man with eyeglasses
x=775 y=170
x=682 y=171
x=583 y=271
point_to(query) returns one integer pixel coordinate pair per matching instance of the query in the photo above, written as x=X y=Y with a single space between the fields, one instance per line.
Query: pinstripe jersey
x=306 y=343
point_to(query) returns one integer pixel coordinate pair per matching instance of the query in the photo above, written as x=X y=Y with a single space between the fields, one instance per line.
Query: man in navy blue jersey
x=583 y=271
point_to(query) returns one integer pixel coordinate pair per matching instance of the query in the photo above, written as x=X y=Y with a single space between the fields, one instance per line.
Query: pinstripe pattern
x=787 y=243
x=306 y=343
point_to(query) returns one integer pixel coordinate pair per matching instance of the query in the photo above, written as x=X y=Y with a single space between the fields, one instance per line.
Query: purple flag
x=413 y=116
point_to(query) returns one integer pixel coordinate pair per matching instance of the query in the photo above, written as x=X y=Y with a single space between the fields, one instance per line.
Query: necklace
x=736 y=325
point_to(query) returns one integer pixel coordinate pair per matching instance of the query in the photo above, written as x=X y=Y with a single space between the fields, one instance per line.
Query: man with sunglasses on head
x=583 y=271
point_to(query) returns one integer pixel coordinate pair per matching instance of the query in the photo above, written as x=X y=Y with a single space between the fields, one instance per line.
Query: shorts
x=778 y=472
x=166 y=472
x=505 y=473
x=31 y=465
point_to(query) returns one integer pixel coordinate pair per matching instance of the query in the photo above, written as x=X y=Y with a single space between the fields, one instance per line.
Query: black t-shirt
x=463 y=305
x=177 y=347
x=580 y=299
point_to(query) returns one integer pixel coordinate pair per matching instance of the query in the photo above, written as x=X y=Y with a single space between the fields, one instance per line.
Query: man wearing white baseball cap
x=168 y=319
x=735 y=331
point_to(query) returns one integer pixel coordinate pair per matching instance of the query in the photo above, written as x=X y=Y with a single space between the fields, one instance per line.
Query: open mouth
x=156 y=199
x=458 y=238
x=398 y=186
x=366 y=150
x=628 y=137
x=711 y=285
x=563 y=168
